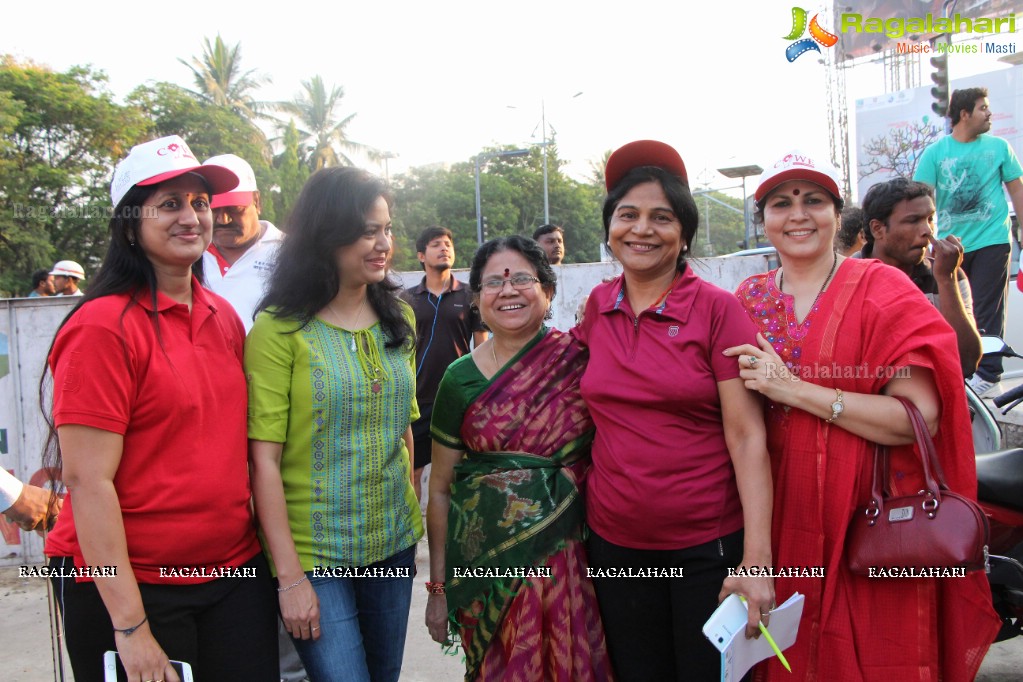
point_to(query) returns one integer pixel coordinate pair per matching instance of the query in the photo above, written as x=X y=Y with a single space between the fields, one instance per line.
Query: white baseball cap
x=68 y=268
x=240 y=195
x=153 y=162
x=797 y=165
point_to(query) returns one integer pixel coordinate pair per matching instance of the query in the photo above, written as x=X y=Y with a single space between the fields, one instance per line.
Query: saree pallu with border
x=872 y=322
x=517 y=588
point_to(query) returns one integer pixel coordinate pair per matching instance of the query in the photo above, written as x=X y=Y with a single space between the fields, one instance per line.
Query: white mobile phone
x=115 y=671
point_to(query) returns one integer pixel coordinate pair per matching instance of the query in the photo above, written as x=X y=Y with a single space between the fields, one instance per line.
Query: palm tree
x=597 y=170
x=219 y=78
x=321 y=132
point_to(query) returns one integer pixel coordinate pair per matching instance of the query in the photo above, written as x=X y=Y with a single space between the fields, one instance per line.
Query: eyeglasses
x=518 y=282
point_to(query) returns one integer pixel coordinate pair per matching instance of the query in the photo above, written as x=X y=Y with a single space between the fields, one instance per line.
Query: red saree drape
x=871 y=322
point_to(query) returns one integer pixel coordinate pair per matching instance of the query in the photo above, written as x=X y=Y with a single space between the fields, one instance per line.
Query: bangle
x=128 y=631
x=435 y=588
x=294 y=584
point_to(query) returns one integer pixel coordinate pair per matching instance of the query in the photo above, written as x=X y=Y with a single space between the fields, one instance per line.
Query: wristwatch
x=837 y=407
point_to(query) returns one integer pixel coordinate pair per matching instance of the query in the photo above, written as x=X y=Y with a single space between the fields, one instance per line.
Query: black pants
x=654 y=626
x=421 y=440
x=226 y=629
x=988 y=272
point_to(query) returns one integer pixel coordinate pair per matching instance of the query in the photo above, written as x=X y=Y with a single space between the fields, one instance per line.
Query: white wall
x=577 y=280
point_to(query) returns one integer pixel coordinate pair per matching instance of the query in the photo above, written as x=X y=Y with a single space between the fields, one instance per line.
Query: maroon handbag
x=933 y=529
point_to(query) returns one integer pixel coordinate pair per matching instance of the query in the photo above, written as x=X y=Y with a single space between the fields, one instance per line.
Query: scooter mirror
x=994 y=345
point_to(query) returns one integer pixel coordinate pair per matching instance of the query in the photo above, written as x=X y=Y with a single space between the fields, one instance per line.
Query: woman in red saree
x=838 y=338
x=505 y=514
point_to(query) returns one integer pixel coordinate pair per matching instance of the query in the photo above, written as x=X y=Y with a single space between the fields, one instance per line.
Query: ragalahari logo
x=817 y=35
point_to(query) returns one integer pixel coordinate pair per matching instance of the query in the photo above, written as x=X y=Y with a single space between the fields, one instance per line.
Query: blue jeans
x=363 y=622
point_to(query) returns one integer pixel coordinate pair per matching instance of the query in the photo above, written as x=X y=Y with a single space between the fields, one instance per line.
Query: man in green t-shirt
x=967 y=170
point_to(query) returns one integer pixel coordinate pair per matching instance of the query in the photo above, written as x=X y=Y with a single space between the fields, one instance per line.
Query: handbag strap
x=934 y=477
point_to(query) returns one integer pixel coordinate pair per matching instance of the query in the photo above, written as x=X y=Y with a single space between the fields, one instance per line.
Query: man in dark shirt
x=446 y=321
x=899 y=217
x=551 y=239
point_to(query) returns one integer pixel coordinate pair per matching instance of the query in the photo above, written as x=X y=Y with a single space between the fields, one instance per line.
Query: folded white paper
x=726 y=631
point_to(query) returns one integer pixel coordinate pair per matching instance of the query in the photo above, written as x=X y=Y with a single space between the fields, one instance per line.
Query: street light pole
x=385 y=157
x=546 y=200
x=543 y=122
x=744 y=172
x=480 y=159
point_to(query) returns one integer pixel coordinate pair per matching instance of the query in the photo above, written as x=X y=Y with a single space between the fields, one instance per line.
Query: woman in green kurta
x=329 y=362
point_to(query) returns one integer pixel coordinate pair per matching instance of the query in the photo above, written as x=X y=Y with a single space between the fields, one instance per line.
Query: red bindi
x=795 y=192
x=507 y=272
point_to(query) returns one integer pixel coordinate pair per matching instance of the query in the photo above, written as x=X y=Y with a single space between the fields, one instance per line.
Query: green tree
x=321 y=131
x=291 y=173
x=575 y=206
x=597 y=170
x=219 y=78
x=62 y=133
x=511 y=193
x=432 y=196
x=721 y=224
x=209 y=130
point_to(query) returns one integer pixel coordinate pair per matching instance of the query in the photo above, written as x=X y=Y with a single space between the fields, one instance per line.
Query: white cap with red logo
x=153 y=162
x=797 y=165
x=240 y=195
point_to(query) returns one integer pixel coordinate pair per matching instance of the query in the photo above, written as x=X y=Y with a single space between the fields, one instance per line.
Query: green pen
x=770 y=640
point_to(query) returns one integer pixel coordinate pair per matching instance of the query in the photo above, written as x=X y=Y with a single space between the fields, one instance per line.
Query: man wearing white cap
x=236 y=266
x=244 y=247
x=66 y=275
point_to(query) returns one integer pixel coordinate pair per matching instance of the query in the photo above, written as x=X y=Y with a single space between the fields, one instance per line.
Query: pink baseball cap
x=797 y=165
x=242 y=194
x=643 y=153
x=153 y=162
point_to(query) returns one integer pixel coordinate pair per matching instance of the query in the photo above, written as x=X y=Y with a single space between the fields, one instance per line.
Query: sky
x=436 y=81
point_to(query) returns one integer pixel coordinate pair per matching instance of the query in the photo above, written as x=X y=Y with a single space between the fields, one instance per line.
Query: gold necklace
x=834 y=265
x=493 y=351
x=358 y=316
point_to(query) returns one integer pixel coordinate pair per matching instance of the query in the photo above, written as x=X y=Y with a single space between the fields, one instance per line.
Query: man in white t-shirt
x=237 y=266
x=244 y=247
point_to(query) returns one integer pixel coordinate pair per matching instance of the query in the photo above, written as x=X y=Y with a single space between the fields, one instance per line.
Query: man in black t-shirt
x=446 y=322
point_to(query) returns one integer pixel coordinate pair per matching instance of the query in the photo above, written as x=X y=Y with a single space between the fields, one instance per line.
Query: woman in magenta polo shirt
x=680 y=464
x=149 y=405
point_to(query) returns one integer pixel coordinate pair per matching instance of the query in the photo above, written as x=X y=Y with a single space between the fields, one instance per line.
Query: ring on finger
x=316 y=627
x=752 y=362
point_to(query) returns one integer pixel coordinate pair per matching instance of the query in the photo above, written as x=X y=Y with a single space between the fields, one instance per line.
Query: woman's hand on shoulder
x=142 y=656
x=756 y=584
x=437 y=618
x=763 y=371
x=300 y=610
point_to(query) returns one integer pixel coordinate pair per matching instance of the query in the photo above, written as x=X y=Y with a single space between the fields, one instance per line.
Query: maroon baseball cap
x=643 y=153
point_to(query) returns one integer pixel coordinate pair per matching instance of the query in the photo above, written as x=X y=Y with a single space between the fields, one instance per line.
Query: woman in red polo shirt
x=149 y=405
x=680 y=464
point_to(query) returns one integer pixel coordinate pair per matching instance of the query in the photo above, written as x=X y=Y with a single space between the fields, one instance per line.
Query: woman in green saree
x=505 y=515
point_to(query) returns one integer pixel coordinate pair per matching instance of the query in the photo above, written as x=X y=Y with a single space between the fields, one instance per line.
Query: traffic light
x=940 y=89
